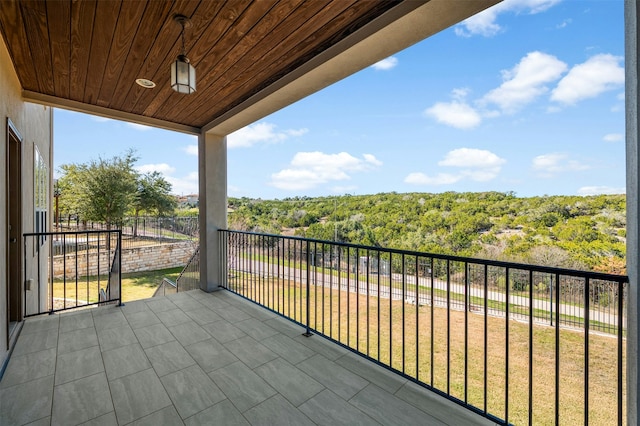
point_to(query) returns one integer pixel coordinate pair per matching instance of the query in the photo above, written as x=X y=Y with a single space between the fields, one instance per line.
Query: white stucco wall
x=34 y=122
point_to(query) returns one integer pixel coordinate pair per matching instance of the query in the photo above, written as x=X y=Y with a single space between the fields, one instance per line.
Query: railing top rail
x=189 y=262
x=499 y=263
x=93 y=231
x=166 y=280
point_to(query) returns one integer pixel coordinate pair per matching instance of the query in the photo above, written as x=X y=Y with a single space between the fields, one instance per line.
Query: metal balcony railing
x=519 y=344
x=189 y=278
x=66 y=270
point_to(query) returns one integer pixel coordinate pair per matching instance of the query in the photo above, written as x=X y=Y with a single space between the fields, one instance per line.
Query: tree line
x=577 y=232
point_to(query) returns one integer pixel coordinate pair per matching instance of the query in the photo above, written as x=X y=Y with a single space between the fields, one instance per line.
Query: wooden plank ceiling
x=92 y=52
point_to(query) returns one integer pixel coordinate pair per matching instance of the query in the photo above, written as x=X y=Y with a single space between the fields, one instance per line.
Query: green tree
x=101 y=190
x=153 y=195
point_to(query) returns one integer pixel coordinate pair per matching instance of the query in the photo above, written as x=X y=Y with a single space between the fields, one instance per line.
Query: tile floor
x=201 y=359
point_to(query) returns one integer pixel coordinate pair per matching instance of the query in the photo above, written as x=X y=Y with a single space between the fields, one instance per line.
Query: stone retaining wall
x=137 y=259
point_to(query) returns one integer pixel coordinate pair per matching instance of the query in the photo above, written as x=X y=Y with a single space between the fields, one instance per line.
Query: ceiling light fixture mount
x=183 y=74
x=146 y=83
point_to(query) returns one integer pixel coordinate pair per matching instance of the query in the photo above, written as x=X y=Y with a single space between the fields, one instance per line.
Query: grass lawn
x=135 y=285
x=141 y=285
x=431 y=344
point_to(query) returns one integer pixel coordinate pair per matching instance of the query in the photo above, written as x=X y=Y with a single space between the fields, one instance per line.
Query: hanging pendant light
x=183 y=74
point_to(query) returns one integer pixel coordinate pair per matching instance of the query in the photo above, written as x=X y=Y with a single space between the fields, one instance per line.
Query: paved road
x=457 y=292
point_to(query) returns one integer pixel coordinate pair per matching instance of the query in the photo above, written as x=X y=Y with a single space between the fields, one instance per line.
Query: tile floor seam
x=271 y=397
x=158 y=410
x=164 y=387
x=109 y=386
x=55 y=371
x=231 y=400
x=308 y=399
x=28 y=381
x=356 y=394
x=67 y=383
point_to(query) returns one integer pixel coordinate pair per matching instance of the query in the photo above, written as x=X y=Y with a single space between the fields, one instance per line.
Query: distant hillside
x=565 y=231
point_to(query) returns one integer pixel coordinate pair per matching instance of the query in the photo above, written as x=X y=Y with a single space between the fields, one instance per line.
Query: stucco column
x=212 y=202
x=633 y=207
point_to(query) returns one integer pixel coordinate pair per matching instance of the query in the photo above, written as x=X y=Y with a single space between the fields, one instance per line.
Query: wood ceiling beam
x=53 y=101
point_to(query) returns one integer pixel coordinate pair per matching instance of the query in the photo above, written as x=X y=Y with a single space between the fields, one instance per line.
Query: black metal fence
x=189 y=278
x=516 y=343
x=66 y=270
x=140 y=230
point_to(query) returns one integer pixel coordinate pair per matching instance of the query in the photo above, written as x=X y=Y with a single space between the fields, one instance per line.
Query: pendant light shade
x=183 y=74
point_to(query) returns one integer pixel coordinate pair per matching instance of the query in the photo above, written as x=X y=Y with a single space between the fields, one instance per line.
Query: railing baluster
x=357 y=260
x=506 y=348
x=308 y=321
x=557 y=354
x=448 y=327
x=390 y=322
x=76 y=259
x=432 y=307
x=378 y=314
x=99 y=270
x=404 y=299
x=331 y=269
x=322 y=275
x=531 y=302
x=486 y=337
x=587 y=293
x=339 y=270
x=348 y=297
x=620 y=343
x=417 y=283
x=466 y=332
x=368 y=272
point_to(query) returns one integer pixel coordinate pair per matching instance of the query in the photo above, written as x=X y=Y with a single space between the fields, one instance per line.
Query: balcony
x=308 y=331
x=201 y=358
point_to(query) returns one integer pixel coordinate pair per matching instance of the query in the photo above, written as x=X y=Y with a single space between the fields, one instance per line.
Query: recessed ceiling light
x=147 y=84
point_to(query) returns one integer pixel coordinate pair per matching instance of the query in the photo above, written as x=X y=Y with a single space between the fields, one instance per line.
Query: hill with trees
x=565 y=231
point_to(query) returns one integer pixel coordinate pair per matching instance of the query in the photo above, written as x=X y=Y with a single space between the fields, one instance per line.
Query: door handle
x=13 y=240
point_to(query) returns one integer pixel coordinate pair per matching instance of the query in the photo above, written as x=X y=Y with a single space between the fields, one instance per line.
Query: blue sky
x=527 y=96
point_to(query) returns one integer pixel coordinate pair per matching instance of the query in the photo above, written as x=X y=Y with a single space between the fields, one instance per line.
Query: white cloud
x=184 y=185
x=440 y=179
x=598 y=74
x=548 y=165
x=371 y=159
x=310 y=169
x=564 y=23
x=485 y=22
x=140 y=127
x=386 y=64
x=526 y=81
x=191 y=150
x=613 y=137
x=163 y=168
x=471 y=158
x=476 y=164
x=599 y=190
x=179 y=185
x=260 y=133
x=457 y=114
